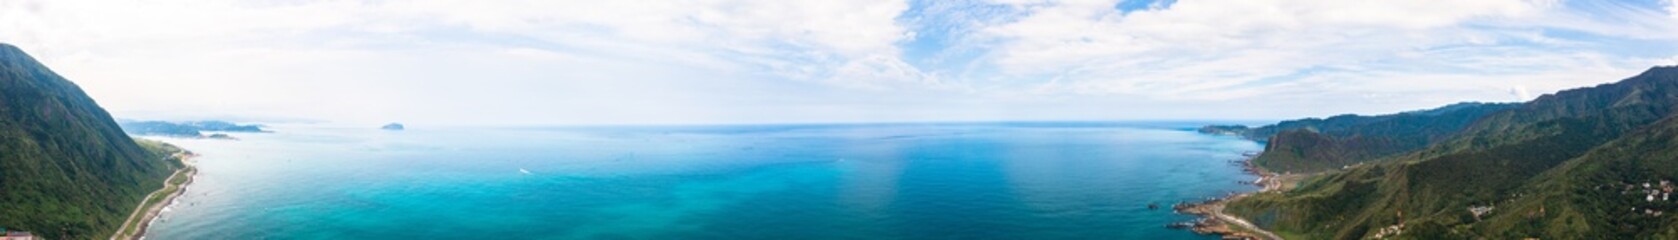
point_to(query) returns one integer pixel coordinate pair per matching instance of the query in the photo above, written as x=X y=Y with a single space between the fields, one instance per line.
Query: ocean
x=848 y=181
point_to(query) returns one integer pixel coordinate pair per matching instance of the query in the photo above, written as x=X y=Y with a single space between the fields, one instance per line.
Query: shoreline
x=1212 y=219
x=148 y=210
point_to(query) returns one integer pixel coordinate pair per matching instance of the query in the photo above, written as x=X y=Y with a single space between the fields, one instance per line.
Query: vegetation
x=183 y=129
x=66 y=170
x=1580 y=164
x=1314 y=145
x=133 y=225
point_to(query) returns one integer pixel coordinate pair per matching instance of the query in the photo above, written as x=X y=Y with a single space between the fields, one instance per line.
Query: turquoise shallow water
x=886 y=181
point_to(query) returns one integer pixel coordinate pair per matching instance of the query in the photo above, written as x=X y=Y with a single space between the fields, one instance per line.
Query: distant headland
x=190 y=129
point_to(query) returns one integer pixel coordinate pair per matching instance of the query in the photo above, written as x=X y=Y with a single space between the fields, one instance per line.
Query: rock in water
x=392 y=127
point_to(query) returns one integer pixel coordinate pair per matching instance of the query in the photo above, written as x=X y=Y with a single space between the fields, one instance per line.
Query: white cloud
x=781 y=35
x=1196 y=46
x=744 y=60
x=1672 y=8
x=643 y=58
x=1197 y=52
x=1520 y=93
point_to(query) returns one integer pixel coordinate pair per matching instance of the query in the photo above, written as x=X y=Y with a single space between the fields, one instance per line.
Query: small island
x=393 y=127
x=221 y=136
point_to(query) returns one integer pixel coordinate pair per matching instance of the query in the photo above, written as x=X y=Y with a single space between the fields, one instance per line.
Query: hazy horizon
x=535 y=63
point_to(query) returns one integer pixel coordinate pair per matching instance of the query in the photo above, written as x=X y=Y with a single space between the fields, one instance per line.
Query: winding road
x=1218 y=211
x=149 y=209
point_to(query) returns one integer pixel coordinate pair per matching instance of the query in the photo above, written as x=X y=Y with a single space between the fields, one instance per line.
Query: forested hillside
x=1312 y=145
x=1580 y=164
x=66 y=170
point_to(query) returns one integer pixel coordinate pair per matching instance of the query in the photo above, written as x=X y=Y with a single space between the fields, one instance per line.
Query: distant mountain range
x=1590 y=163
x=1312 y=145
x=67 y=171
x=193 y=129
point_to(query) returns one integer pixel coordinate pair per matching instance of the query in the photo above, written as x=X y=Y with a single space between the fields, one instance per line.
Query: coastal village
x=1656 y=196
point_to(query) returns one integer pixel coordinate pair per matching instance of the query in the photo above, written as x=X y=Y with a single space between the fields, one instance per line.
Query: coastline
x=1213 y=220
x=135 y=226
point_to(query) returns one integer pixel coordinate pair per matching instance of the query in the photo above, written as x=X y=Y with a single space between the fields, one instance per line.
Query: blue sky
x=460 y=62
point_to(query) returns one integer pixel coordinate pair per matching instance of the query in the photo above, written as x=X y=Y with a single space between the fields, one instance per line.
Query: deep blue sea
x=863 y=181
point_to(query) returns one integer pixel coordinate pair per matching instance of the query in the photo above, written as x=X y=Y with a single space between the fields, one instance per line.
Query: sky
x=562 y=62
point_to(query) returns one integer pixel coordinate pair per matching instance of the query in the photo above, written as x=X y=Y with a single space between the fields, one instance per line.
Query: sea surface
x=859 y=181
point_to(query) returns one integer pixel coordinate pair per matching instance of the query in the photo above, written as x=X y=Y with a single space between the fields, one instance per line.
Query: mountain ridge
x=68 y=172
x=1320 y=144
x=1521 y=158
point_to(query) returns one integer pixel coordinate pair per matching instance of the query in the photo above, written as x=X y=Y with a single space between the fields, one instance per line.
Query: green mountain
x=1570 y=165
x=66 y=170
x=1313 y=145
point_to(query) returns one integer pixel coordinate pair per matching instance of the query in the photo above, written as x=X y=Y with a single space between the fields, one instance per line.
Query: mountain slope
x=1520 y=158
x=1602 y=194
x=66 y=170
x=1312 y=145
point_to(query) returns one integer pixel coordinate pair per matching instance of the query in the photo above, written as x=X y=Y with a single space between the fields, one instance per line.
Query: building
x=17 y=235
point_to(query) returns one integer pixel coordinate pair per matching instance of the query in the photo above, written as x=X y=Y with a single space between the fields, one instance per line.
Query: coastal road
x=1218 y=211
x=150 y=210
x=1270 y=182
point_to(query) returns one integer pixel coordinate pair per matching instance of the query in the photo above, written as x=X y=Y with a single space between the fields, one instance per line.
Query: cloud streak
x=727 y=61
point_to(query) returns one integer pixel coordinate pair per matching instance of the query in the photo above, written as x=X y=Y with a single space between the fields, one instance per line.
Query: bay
x=847 y=181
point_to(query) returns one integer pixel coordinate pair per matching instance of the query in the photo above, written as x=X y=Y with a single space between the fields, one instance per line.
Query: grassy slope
x=66 y=170
x=1510 y=157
